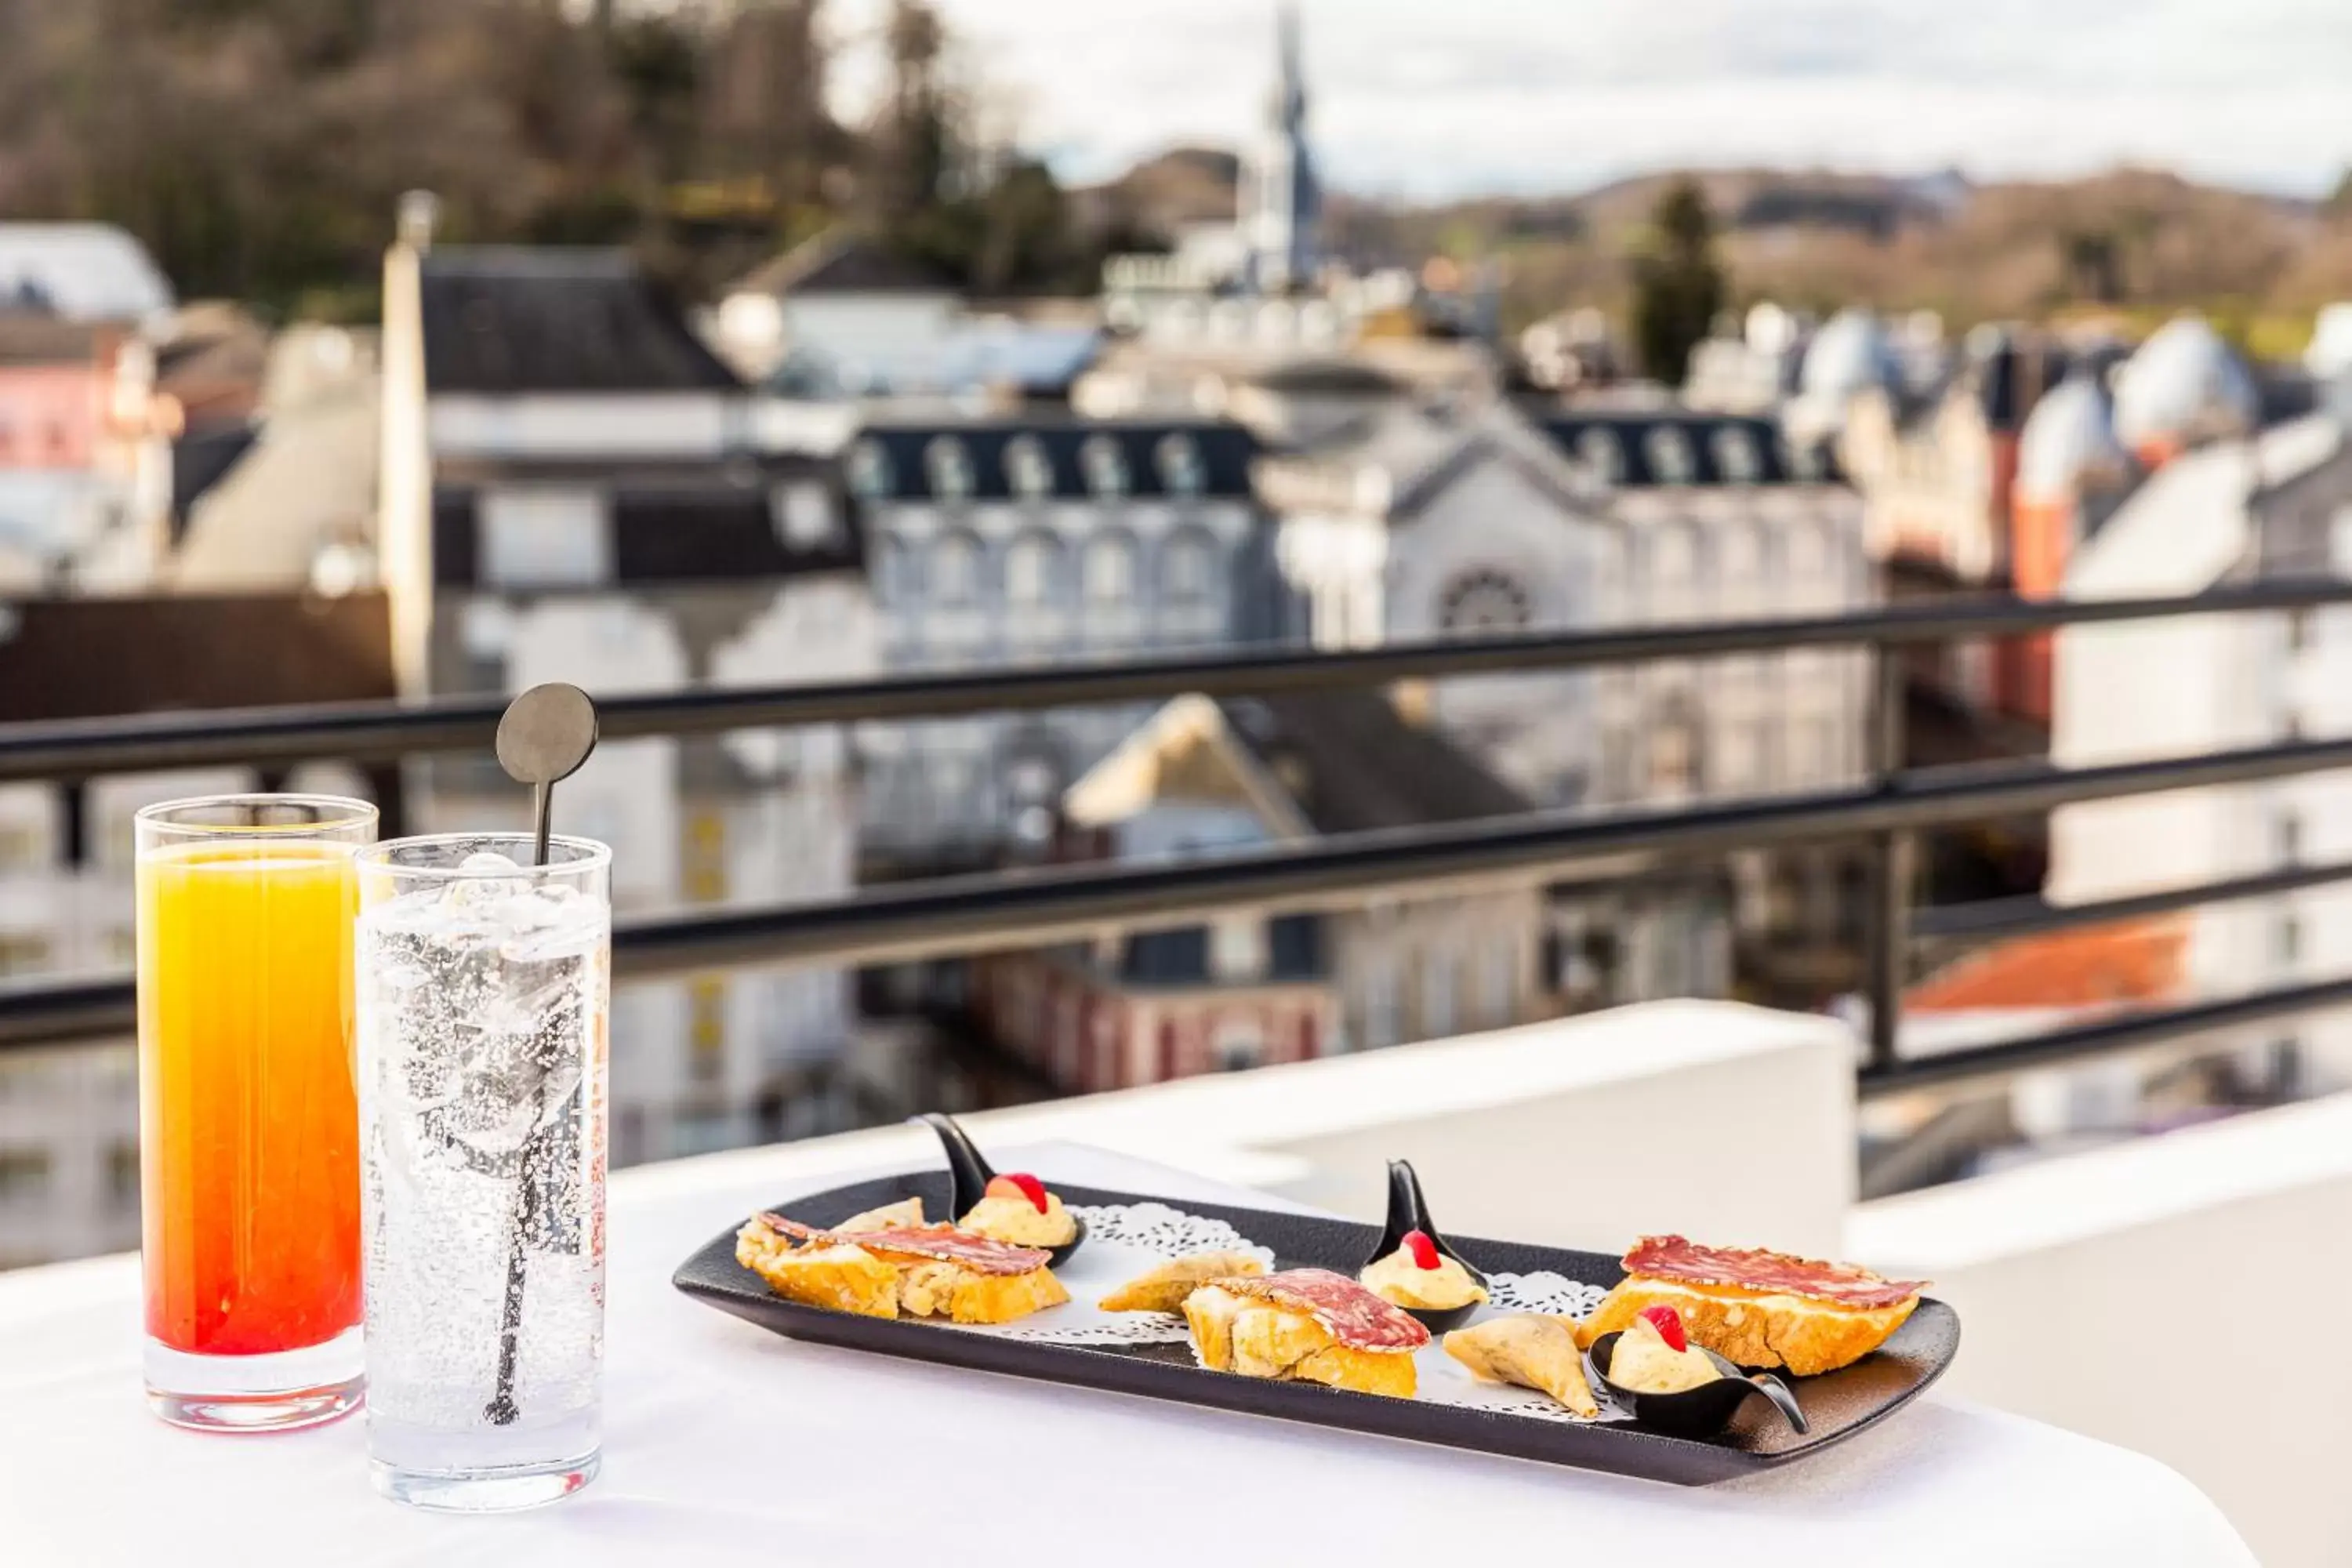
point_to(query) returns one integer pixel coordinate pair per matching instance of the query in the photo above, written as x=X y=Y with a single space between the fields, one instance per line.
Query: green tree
x=1678 y=284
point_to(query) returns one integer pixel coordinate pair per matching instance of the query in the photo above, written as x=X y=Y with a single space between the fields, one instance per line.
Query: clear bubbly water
x=483 y=1008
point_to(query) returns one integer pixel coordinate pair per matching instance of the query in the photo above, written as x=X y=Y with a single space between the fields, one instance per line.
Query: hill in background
x=2140 y=243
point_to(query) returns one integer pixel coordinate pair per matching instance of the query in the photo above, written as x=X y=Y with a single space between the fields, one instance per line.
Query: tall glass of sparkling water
x=247 y=1131
x=484 y=997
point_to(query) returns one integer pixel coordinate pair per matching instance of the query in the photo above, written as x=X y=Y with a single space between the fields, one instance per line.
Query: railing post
x=1891 y=859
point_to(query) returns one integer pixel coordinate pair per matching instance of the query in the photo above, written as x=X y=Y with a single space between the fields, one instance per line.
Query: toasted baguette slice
x=844 y=1278
x=1163 y=1288
x=1753 y=1328
x=1531 y=1351
x=1001 y=1298
x=1264 y=1339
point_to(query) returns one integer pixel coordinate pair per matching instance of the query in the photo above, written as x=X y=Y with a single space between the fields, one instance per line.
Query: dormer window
x=1599 y=450
x=947 y=461
x=869 y=470
x=1736 y=456
x=1178 y=458
x=1105 y=465
x=1028 y=473
x=1668 y=449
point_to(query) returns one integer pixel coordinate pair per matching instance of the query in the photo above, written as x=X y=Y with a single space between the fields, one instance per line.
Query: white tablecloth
x=723 y=1438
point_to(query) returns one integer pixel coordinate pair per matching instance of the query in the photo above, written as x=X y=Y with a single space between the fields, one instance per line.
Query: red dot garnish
x=1019 y=1183
x=1423 y=1250
x=1669 y=1324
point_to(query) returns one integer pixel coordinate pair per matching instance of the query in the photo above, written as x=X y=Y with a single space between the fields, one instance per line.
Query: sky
x=1432 y=98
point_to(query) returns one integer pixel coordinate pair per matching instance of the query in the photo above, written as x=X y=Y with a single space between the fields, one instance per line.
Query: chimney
x=419 y=216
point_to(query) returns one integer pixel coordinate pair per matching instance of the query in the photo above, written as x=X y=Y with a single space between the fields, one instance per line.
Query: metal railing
x=1030 y=908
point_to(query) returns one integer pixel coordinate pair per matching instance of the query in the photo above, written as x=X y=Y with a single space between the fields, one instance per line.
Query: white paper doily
x=1123 y=1240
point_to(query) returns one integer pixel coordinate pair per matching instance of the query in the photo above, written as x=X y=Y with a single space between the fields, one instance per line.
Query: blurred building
x=2232 y=509
x=997 y=542
x=1459 y=520
x=841 y=310
x=285 y=495
x=1751 y=366
x=569 y=493
x=84 y=455
x=88 y=272
x=1208 y=776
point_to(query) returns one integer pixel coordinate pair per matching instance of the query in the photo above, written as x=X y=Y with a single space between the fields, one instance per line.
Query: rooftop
x=510 y=320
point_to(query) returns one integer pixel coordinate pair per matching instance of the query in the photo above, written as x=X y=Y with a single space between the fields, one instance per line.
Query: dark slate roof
x=1330 y=377
x=511 y=320
x=716 y=527
x=1353 y=763
x=1710 y=440
x=1224 y=452
x=203 y=459
x=842 y=262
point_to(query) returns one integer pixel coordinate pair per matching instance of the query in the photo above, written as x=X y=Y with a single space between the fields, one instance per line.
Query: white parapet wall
x=1704 y=1117
x=2174 y=1295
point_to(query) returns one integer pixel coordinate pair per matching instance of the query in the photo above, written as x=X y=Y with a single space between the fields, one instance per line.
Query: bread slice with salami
x=889 y=1271
x=1758 y=1308
x=1308 y=1325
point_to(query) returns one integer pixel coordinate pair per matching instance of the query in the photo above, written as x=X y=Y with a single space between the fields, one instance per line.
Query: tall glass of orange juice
x=248 y=1123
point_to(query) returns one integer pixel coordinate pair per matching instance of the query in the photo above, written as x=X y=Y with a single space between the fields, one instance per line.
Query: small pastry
x=1305 y=1325
x=1418 y=1277
x=1017 y=1209
x=1163 y=1288
x=908 y=1212
x=936 y=1272
x=1531 y=1350
x=1758 y=1308
x=1654 y=1356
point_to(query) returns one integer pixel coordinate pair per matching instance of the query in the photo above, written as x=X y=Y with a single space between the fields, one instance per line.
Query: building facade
x=570 y=494
x=996 y=542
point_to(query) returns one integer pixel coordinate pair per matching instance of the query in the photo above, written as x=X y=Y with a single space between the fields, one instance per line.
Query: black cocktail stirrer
x=546 y=733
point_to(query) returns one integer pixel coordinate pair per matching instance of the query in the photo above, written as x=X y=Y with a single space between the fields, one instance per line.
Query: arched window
x=1671 y=459
x=1110 y=569
x=1484 y=600
x=1033 y=569
x=1187 y=566
x=1737 y=460
x=897 y=573
x=1105 y=464
x=957 y=562
x=1599 y=451
x=949 y=463
x=869 y=470
x=1179 y=457
x=1028 y=473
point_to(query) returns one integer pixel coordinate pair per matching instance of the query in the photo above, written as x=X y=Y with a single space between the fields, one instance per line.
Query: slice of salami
x=1355 y=1316
x=1753 y=1268
x=943 y=1243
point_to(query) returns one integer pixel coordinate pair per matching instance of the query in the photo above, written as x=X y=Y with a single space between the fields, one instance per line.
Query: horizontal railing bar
x=373 y=732
x=2030 y=915
x=2109 y=1037
x=1034 y=908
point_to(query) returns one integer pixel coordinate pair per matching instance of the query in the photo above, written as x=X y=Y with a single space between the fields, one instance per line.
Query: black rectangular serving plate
x=1837 y=1404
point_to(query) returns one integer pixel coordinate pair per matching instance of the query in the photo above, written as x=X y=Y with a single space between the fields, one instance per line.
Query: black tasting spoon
x=1701 y=1412
x=1409 y=1211
x=969 y=1174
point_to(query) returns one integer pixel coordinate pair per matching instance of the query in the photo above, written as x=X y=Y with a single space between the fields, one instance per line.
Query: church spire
x=1282 y=204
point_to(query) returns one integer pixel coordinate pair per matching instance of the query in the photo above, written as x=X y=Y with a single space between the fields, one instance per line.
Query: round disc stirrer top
x=546 y=733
